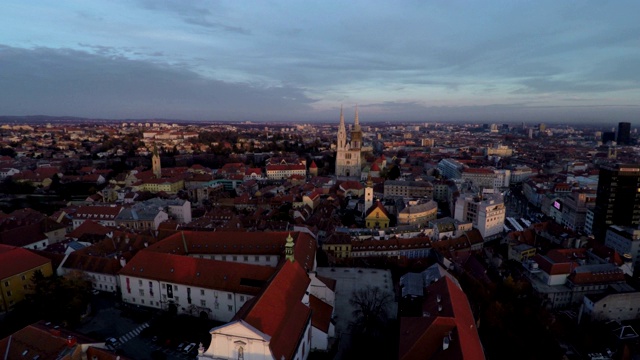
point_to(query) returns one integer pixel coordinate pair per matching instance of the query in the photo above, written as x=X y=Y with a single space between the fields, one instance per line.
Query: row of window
x=245 y=258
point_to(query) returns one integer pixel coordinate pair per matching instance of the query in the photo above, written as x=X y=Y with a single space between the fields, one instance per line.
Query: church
x=349 y=153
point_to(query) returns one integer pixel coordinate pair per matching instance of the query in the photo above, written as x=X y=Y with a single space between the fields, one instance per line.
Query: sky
x=273 y=60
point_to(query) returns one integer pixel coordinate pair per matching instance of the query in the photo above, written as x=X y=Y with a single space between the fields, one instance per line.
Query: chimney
x=71 y=341
x=123 y=261
x=445 y=343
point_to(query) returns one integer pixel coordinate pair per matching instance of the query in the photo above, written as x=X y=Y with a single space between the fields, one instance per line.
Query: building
x=486 y=213
x=16 y=273
x=625 y=241
x=349 y=153
x=277 y=325
x=209 y=274
x=285 y=171
x=574 y=209
x=623 y=136
x=450 y=168
x=611 y=307
x=408 y=188
x=155 y=163
x=617 y=198
x=444 y=328
x=104 y=215
x=418 y=214
x=44 y=341
x=377 y=217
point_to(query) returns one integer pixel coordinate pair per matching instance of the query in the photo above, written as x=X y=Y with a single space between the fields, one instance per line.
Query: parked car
x=181 y=346
x=187 y=349
x=113 y=342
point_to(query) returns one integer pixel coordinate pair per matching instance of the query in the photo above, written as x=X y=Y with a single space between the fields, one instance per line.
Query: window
x=268 y=258
x=6 y=283
x=164 y=286
x=177 y=299
x=142 y=301
x=246 y=258
x=240 y=353
x=23 y=277
x=216 y=305
x=229 y=296
x=164 y=297
x=202 y=292
x=8 y=292
x=203 y=303
x=235 y=258
x=257 y=258
x=141 y=292
x=140 y=282
x=230 y=308
x=224 y=258
x=241 y=297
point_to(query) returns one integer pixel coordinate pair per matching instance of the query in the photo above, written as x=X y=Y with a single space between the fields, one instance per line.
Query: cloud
x=70 y=82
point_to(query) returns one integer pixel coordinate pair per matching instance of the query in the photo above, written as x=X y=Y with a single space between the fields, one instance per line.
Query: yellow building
x=377 y=217
x=169 y=186
x=338 y=245
x=16 y=271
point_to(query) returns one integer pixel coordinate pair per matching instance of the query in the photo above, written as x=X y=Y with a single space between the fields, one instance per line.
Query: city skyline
x=287 y=61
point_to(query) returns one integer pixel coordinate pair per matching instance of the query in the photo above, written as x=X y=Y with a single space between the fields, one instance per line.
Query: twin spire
x=357 y=120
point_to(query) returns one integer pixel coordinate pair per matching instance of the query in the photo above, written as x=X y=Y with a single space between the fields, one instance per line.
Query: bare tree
x=371 y=307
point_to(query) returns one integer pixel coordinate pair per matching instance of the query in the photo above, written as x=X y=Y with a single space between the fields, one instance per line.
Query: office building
x=617 y=198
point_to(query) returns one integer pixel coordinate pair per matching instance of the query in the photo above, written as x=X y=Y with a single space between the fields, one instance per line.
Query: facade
x=487 y=214
x=16 y=273
x=574 y=209
x=612 y=307
x=451 y=168
x=277 y=325
x=626 y=241
x=623 y=136
x=617 y=199
x=377 y=217
x=349 y=153
x=155 y=163
x=408 y=188
x=281 y=172
x=480 y=177
x=209 y=274
x=418 y=214
x=103 y=215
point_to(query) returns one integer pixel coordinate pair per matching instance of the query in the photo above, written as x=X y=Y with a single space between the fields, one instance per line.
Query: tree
x=371 y=307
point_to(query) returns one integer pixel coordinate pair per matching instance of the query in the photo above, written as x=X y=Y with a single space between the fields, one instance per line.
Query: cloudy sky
x=422 y=60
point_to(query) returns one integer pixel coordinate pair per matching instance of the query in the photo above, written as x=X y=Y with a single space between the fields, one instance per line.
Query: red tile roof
x=17 y=260
x=422 y=337
x=279 y=312
x=240 y=243
x=321 y=314
x=205 y=273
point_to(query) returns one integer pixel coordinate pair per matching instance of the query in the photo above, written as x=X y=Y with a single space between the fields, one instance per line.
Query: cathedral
x=349 y=153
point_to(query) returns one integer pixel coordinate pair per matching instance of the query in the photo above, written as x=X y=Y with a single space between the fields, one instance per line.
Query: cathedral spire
x=341 y=120
x=357 y=121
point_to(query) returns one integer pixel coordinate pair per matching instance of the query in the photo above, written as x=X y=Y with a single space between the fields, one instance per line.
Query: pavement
x=349 y=280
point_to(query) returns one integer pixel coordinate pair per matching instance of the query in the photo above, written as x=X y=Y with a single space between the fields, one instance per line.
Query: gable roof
x=279 y=312
x=17 y=260
x=445 y=312
x=204 y=273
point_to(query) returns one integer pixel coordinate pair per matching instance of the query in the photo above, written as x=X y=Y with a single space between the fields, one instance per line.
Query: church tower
x=368 y=194
x=348 y=155
x=288 y=249
x=155 y=163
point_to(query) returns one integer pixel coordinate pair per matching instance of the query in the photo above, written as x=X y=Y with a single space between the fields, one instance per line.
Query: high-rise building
x=617 y=198
x=608 y=136
x=624 y=133
x=155 y=163
x=348 y=157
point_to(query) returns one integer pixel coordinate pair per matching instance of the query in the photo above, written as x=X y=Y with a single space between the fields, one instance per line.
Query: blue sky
x=489 y=61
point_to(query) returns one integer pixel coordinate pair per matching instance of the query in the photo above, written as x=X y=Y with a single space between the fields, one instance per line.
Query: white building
x=451 y=168
x=486 y=213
